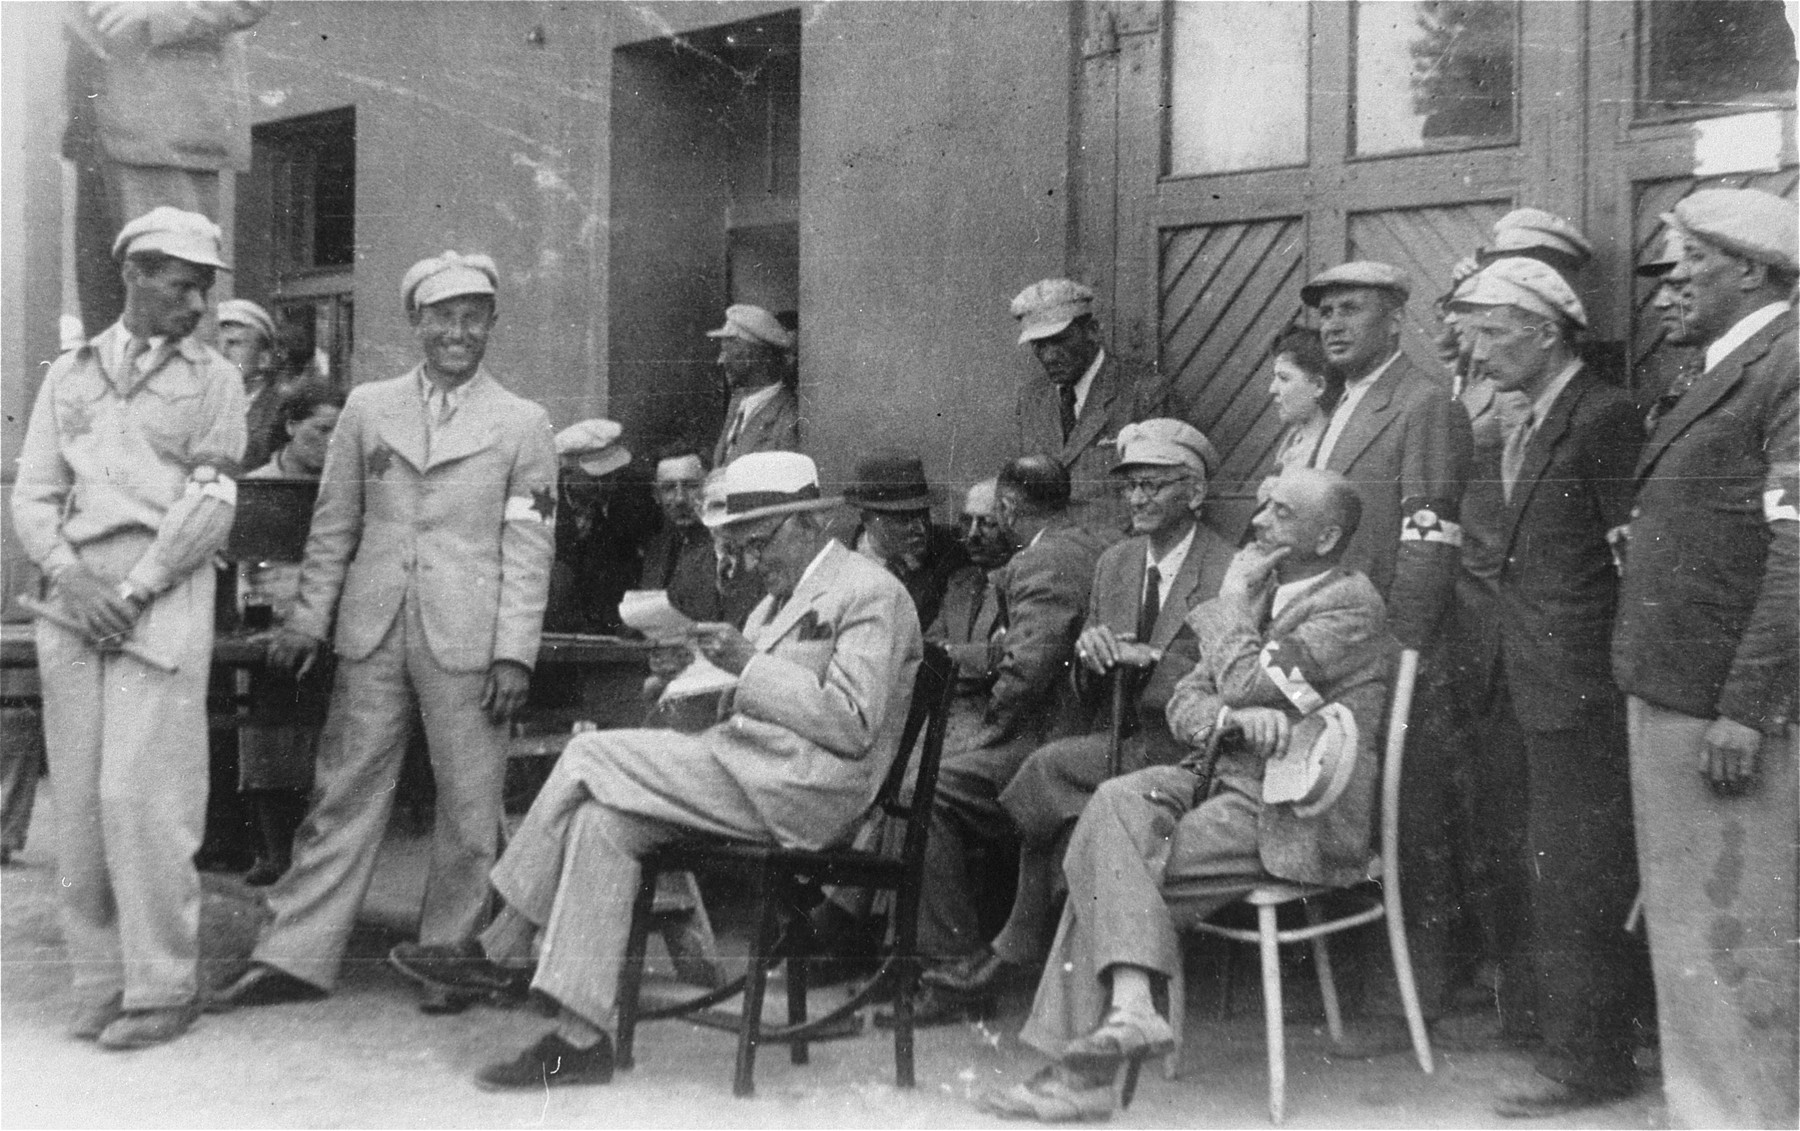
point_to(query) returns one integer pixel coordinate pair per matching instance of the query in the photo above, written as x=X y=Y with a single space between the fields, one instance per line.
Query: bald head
x=982 y=532
x=1313 y=513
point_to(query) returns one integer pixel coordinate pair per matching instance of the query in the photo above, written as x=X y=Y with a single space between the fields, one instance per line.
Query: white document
x=702 y=677
x=649 y=611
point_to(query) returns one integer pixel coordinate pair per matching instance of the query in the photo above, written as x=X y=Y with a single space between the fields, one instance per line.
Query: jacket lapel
x=469 y=429
x=1539 y=448
x=1200 y=573
x=806 y=596
x=1706 y=392
x=1368 y=418
x=400 y=426
x=1095 y=414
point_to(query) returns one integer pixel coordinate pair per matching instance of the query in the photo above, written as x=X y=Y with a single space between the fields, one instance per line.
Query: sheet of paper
x=649 y=611
x=702 y=677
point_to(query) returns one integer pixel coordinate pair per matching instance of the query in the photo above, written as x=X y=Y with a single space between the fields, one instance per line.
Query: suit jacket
x=1706 y=617
x=773 y=427
x=1407 y=447
x=1558 y=587
x=1329 y=645
x=966 y=618
x=1118 y=588
x=1122 y=393
x=1043 y=595
x=468 y=530
x=681 y=560
x=944 y=555
x=815 y=720
x=1475 y=641
x=175 y=94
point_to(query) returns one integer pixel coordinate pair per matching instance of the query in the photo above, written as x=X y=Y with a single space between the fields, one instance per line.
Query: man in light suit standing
x=430 y=546
x=1142 y=592
x=755 y=355
x=825 y=672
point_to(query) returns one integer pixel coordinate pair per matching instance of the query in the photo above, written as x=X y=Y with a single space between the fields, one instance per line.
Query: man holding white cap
x=1552 y=708
x=247 y=339
x=825 y=668
x=755 y=355
x=1087 y=395
x=1706 y=650
x=124 y=429
x=430 y=549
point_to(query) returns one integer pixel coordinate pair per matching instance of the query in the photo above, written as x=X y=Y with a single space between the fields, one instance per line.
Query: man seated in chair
x=825 y=670
x=1290 y=631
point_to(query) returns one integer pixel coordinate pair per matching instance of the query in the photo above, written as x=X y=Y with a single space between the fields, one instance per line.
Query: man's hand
x=502 y=697
x=115 y=18
x=1099 y=649
x=1250 y=570
x=96 y=604
x=724 y=645
x=1728 y=756
x=668 y=660
x=1265 y=729
x=293 y=651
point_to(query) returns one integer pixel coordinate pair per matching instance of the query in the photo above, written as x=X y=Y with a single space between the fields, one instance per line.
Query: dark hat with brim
x=890 y=481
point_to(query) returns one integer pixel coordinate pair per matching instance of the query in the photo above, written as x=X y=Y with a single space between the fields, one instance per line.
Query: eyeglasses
x=753 y=547
x=1148 y=487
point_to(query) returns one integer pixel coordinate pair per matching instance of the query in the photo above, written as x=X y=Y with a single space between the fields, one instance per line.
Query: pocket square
x=810 y=628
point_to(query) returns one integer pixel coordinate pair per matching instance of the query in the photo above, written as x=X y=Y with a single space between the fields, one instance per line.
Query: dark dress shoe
x=550 y=1063
x=932 y=1006
x=458 y=969
x=264 y=985
x=984 y=974
x=1555 y=1098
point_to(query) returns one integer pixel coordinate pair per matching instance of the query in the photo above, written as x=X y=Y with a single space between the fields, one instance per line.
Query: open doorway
x=705 y=211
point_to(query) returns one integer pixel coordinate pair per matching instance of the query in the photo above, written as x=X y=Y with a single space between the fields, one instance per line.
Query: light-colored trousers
x=128 y=748
x=1719 y=877
x=316 y=901
x=1140 y=843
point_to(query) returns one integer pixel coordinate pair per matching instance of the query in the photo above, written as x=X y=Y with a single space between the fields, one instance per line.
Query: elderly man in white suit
x=825 y=670
x=430 y=545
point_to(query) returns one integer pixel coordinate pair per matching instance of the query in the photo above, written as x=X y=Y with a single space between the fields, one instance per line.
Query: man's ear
x=1754 y=276
x=1328 y=540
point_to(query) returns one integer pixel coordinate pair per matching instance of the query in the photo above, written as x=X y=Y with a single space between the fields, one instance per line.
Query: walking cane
x=1115 y=744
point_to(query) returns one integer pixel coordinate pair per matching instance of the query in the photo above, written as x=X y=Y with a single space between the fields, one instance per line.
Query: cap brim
x=715 y=520
x=1044 y=330
x=890 y=506
x=606 y=462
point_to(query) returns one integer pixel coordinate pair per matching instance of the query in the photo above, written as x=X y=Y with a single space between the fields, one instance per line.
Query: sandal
x=1055 y=1095
x=1121 y=1037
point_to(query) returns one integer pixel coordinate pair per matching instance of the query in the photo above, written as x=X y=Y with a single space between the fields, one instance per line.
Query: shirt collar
x=1357 y=386
x=1540 y=405
x=1746 y=326
x=453 y=398
x=757 y=398
x=1086 y=384
x=1170 y=563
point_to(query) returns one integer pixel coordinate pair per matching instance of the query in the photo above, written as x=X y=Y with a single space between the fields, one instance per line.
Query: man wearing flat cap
x=756 y=354
x=247 y=339
x=1405 y=446
x=825 y=668
x=1086 y=395
x=894 y=527
x=128 y=429
x=1143 y=589
x=1705 y=649
x=604 y=514
x=430 y=551
x=1552 y=708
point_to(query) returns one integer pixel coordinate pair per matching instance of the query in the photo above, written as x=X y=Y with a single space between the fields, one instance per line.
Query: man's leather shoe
x=92 y=1018
x=264 y=985
x=552 y=1062
x=932 y=1006
x=461 y=968
x=142 y=1028
x=1555 y=1098
x=983 y=974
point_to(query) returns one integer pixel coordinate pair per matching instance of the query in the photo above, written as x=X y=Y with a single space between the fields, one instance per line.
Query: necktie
x=1066 y=400
x=1512 y=456
x=1151 y=608
x=135 y=350
x=737 y=429
x=975 y=608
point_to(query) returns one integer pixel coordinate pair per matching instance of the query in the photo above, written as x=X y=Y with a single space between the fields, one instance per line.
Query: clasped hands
x=96 y=604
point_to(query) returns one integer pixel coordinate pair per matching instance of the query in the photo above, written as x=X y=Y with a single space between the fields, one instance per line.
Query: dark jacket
x=1043 y=596
x=1707 y=623
x=1558 y=586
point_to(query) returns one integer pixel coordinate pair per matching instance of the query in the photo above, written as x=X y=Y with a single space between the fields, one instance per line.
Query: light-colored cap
x=1526 y=284
x=753 y=324
x=243 y=312
x=1045 y=308
x=594 y=444
x=1666 y=257
x=1743 y=222
x=447 y=276
x=763 y=485
x=187 y=236
x=1532 y=229
x=1164 y=442
x=1357 y=273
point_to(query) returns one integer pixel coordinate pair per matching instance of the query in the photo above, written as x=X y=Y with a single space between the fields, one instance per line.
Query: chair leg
x=801 y=945
x=631 y=976
x=1334 y=1017
x=1403 y=974
x=756 y=983
x=1177 y=1016
x=1272 y=1018
x=1226 y=985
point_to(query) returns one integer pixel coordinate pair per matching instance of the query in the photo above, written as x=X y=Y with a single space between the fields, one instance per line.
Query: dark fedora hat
x=889 y=481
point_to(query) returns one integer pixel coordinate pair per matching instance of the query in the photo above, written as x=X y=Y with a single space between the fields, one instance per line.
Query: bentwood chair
x=785 y=881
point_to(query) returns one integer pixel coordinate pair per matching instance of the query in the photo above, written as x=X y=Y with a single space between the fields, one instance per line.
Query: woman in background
x=1304 y=393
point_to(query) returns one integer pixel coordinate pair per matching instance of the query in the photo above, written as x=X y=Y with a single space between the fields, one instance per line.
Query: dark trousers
x=1583 y=876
